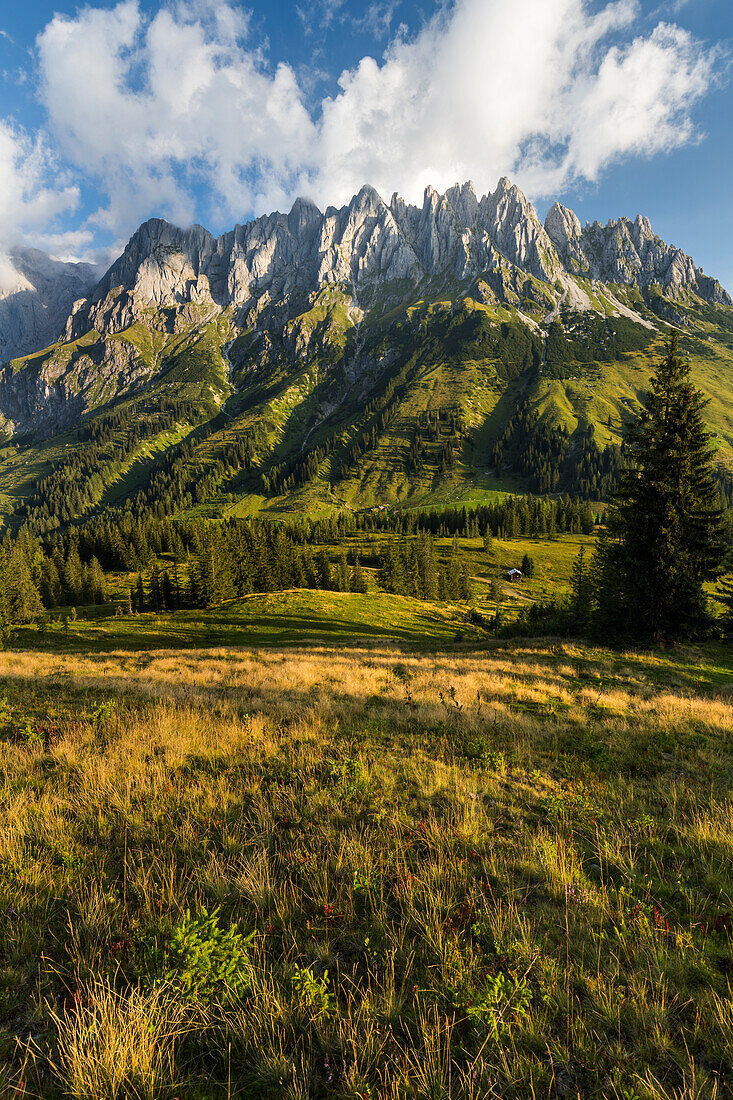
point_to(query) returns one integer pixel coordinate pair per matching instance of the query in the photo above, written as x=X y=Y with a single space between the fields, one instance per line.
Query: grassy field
x=262 y=619
x=358 y=870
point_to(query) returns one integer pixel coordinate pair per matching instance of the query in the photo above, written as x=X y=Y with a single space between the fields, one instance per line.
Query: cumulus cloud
x=541 y=90
x=160 y=111
x=29 y=203
x=148 y=108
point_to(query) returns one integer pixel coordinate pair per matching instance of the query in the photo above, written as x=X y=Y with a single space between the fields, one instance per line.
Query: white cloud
x=149 y=108
x=319 y=14
x=541 y=90
x=161 y=111
x=29 y=203
x=669 y=8
x=377 y=19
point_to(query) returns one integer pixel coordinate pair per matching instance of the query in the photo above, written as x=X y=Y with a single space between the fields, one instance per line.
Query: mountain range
x=376 y=353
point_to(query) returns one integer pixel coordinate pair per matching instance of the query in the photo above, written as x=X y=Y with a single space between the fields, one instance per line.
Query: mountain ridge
x=37 y=293
x=368 y=240
x=374 y=352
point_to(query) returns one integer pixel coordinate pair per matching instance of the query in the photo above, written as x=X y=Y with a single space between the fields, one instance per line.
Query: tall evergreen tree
x=169 y=600
x=428 y=568
x=343 y=573
x=156 y=595
x=323 y=571
x=20 y=601
x=140 y=601
x=581 y=591
x=665 y=528
x=50 y=585
x=358 y=580
x=73 y=576
x=725 y=596
x=98 y=583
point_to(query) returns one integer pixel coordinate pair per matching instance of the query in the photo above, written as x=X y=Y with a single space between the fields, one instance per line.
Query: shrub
x=205 y=963
x=313 y=992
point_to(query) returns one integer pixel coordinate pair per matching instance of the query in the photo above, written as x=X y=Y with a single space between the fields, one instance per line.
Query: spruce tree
x=323 y=571
x=20 y=601
x=665 y=528
x=725 y=597
x=98 y=583
x=73 y=576
x=155 y=590
x=358 y=580
x=169 y=601
x=50 y=585
x=343 y=573
x=140 y=601
x=428 y=568
x=581 y=591
x=527 y=566
x=466 y=585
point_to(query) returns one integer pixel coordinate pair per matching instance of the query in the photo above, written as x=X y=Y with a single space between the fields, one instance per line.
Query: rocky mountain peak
x=562 y=226
x=36 y=295
x=303 y=216
x=367 y=242
x=367 y=200
x=463 y=199
x=264 y=276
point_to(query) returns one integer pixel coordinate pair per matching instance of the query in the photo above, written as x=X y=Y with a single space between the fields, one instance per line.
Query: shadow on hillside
x=496 y=421
x=568 y=665
x=216 y=631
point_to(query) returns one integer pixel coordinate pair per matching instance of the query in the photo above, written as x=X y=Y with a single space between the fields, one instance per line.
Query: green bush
x=205 y=962
x=313 y=992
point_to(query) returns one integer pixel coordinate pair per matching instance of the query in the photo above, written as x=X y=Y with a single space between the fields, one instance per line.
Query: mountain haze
x=375 y=353
x=36 y=296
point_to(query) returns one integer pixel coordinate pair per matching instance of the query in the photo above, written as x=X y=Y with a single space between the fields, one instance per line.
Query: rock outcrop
x=36 y=295
x=624 y=251
x=369 y=243
x=364 y=244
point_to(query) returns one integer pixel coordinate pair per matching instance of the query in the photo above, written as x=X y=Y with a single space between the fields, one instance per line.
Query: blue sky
x=215 y=112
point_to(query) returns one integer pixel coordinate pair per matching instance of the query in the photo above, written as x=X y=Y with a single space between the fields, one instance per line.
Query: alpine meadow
x=366 y=570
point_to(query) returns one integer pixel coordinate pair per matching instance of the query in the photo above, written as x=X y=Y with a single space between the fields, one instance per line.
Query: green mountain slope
x=426 y=402
x=367 y=357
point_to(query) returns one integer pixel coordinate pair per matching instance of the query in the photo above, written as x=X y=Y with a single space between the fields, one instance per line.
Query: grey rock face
x=362 y=244
x=36 y=295
x=564 y=230
x=59 y=393
x=267 y=271
x=626 y=251
x=368 y=243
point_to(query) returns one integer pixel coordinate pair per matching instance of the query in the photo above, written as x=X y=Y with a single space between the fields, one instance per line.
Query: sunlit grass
x=481 y=874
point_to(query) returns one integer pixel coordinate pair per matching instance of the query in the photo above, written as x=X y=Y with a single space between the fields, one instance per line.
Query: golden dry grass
x=284 y=680
x=467 y=875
